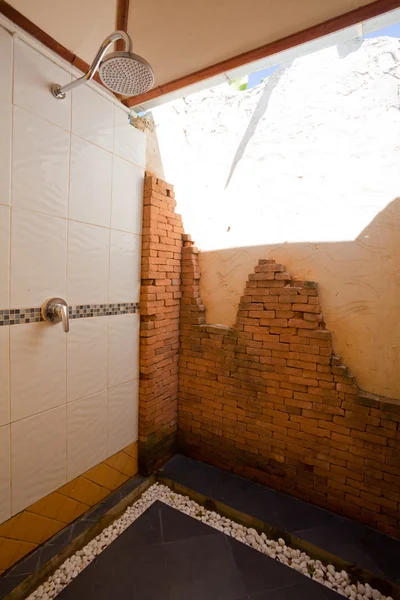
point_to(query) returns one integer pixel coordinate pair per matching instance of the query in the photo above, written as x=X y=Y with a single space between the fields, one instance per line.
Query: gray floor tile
x=138 y=565
x=7 y=584
x=342 y=542
x=352 y=541
x=166 y=555
x=259 y=572
x=190 y=473
x=202 y=568
x=178 y=526
x=301 y=591
x=145 y=531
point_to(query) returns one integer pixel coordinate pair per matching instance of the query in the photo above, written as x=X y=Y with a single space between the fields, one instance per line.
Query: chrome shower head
x=126 y=73
x=121 y=72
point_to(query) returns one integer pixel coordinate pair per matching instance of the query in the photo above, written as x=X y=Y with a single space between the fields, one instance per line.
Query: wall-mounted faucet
x=56 y=310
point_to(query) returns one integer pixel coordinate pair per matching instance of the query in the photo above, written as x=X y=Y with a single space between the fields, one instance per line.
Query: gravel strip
x=314 y=569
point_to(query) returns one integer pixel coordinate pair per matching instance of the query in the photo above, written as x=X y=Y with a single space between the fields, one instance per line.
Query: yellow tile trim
x=84 y=491
x=106 y=476
x=28 y=527
x=123 y=463
x=40 y=521
x=59 y=507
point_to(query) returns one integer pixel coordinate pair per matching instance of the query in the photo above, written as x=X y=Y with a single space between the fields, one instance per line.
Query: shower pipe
x=59 y=92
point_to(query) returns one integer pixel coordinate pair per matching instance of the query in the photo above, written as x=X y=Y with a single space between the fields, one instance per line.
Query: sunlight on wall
x=321 y=164
x=312 y=164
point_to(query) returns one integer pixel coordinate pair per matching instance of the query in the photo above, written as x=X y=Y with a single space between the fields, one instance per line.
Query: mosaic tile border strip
x=20 y=316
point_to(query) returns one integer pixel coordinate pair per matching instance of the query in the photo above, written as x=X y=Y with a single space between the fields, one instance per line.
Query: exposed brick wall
x=159 y=324
x=269 y=399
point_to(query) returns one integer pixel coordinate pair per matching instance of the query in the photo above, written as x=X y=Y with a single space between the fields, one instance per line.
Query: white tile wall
x=88 y=263
x=86 y=357
x=33 y=75
x=5 y=487
x=127 y=191
x=123 y=349
x=93 y=117
x=4 y=376
x=128 y=141
x=38 y=258
x=4 y=255
x=90 y=183
x=122 y=418
x=124 y=266
x=86 y=433
x=38 y=368
x=6 y=54
x=40 y=165
x=70 y=227
x=38 y=457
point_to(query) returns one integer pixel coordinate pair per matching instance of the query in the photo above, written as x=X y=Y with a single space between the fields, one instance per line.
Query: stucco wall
x=359 y=283
x=270 y=400
x=304 y=169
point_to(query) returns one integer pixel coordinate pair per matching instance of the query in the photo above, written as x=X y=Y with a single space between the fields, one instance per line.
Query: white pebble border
x=300 y=561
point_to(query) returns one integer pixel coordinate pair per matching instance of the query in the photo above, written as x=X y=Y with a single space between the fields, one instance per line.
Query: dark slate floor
x=166 y=555
x=351 y=541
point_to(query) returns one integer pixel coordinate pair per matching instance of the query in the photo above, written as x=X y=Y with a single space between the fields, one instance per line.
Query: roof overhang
x=192 y=44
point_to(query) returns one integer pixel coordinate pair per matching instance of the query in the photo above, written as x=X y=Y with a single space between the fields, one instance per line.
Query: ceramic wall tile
x=86 y=433
x=93 y=117
x=129 y=142
x=38 y=368
x=38 y=258
x=38 y=457
x=71 y=185
x=123 y=348
x=4 y=256
x=6 y=62
x=127 y=196
x=5 y=482
x=86 y=357
x=125 y=250
x=90 y=183
x=4 y=375
x=40 y=165
x=122 y=408
x=33 y=75
x=88 y=263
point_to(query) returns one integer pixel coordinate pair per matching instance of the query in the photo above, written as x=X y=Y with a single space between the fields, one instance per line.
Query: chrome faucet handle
x=56 y=310
x=62 y=309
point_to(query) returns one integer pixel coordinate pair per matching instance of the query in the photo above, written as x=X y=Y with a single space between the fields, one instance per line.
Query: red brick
x=276 y=404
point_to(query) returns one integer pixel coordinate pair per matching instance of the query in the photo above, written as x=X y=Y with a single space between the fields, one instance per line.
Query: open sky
x=258 y=76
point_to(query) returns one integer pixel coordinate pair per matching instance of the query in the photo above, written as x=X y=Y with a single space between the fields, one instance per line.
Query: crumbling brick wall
x=269 y=400
x=159 y=324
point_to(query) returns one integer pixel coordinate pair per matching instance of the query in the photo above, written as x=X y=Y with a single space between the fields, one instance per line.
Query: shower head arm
x=59 y=92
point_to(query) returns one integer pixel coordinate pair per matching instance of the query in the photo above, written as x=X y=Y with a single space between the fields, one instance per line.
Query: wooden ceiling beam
x=122 y=20
x=333 y=25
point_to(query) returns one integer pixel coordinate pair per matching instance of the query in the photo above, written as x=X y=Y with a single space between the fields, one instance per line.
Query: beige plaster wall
x=304 y=169
x=359 y=283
